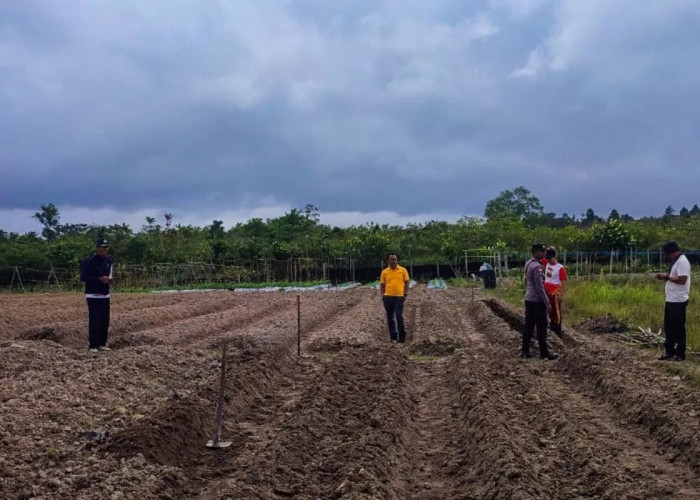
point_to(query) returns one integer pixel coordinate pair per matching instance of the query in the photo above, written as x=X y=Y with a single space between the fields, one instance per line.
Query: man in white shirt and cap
x=677 y=294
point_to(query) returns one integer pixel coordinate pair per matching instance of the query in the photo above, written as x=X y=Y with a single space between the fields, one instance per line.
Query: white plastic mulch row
x=437 y=284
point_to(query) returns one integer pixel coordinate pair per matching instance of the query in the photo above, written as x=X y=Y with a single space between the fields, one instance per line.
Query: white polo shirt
x=676 y=292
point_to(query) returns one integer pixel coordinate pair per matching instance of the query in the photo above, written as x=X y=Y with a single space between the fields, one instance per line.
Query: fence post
x=19 y=279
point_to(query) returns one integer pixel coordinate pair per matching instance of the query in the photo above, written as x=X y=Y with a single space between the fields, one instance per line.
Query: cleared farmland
x=453 y=413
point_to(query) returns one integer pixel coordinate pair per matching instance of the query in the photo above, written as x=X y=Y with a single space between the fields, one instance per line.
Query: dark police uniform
x=97 y=295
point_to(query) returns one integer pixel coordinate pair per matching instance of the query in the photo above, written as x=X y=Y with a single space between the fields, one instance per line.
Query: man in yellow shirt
x=393 y=285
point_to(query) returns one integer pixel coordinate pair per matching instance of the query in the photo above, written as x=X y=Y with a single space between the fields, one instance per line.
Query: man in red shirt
x=554 y=280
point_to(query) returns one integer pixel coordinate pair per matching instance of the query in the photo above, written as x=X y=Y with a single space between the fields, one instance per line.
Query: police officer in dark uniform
x=97 y=273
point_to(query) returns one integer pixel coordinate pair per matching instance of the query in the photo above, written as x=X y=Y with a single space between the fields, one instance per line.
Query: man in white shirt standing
x=677 y=293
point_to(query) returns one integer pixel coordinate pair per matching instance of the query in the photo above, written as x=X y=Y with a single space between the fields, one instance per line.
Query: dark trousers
x=674 y=328
x=535 y=316
x=98 y=320
x=394 y=316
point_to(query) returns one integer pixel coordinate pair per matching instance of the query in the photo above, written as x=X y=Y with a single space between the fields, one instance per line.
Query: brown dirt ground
x=453 y=413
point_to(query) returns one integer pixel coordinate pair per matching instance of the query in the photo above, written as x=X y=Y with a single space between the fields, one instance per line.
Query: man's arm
x=85 y=272
x=682 y=270
x=535 y=274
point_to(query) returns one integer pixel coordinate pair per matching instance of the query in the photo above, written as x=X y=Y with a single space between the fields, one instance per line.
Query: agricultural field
x=453 y=413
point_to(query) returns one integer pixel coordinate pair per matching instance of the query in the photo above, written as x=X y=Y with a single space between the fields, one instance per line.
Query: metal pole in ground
x=216 y=442
x=298 y=325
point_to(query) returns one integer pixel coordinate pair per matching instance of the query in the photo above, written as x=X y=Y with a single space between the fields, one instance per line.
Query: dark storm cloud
x=404 y=107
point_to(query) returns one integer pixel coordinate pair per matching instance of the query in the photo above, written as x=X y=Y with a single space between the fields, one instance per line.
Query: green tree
x=50 y=219
x=519 y=203
x=612 y=235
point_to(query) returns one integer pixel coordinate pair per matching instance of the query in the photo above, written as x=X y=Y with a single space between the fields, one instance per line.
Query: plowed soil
x=452 y=413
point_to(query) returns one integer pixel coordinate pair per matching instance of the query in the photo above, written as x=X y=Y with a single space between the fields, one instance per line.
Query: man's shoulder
x=682 y=262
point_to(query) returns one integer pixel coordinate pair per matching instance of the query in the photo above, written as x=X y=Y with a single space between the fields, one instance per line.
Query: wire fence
x=336 y=271
x=164 y=275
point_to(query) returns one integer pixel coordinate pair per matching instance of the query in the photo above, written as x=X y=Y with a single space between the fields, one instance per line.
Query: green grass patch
x=637 y=300
x=464 y=283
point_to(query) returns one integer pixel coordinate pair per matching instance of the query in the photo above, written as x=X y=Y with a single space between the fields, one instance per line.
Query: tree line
x=511 y=221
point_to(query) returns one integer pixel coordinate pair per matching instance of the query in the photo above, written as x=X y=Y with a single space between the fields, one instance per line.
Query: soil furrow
x=340 y=438
x=453 y=413
x=557 y=442
x=74 y=333
x=619 y=378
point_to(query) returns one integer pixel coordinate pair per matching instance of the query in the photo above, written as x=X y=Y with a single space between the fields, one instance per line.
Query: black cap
x=538 y=247
x=101 y=242
x=551 y=252
x=670 y=247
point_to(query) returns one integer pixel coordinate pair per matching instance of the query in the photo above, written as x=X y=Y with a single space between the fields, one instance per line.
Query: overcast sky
x=384 y=110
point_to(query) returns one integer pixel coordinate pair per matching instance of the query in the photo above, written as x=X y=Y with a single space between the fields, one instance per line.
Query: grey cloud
x=210 y=105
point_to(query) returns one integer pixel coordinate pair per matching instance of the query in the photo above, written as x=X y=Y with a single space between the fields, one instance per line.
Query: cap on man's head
x=101 y=242
x=670 y=247
x=538 y=247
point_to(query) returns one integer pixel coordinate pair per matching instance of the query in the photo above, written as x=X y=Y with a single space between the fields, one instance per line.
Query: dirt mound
x=41 y=333
x=133 y=341
x=429 y=347
x=172 y=436
x=334 y=345
x=603 y=324
x=338 y=440
x=515 y=319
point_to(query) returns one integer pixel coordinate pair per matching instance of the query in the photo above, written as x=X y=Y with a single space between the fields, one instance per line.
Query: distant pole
x=298 y=325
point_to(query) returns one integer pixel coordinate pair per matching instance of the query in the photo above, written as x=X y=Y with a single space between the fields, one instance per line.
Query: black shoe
x=550 y=356
x=678 y=358
x=525 y=355
x=665 y=357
